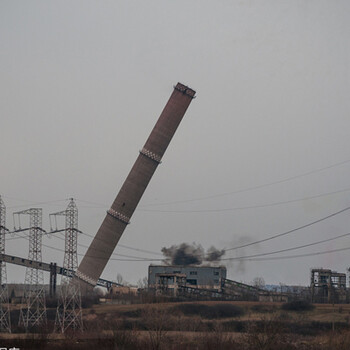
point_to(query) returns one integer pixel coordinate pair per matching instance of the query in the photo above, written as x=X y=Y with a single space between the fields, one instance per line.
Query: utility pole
x=5 y=322
x=69 y=311
x=34 y=312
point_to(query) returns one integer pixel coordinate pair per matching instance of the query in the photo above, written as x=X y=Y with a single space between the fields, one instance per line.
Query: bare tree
x=259 y=282
x=156 y=319
x=143 y=283
x=265 y=334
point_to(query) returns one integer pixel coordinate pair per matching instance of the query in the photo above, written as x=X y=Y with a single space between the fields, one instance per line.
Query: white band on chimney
x=151 y=155
x=86 y=278
x=123 y=218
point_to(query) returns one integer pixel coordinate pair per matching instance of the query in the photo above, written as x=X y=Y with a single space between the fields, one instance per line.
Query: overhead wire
x=251 y=243
x=204 y=197
x=289 y=231
x=121 y=245
x=31 y=203
x=100 y=250
x=238 y=258
x=93 y=256
x=98 y=257
x=133 y=258
x=247 y=207
x=241 y=246
x=287 y=249
x=247 y=189
x=89 y=235
x=268 y=238
x=299 y=255
x=79 y=244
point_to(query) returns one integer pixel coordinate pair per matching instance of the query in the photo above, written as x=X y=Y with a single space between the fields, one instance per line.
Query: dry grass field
x=200 y=325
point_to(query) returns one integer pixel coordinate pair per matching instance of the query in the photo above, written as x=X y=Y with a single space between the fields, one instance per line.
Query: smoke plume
x=191 y=254
x=214 y=255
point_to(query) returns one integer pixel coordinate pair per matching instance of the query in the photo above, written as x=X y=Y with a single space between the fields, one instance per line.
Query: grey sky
x=83 y=82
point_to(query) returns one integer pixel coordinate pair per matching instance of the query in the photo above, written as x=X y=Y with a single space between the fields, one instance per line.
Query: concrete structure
x=169 y=283
x=327 y=286
x=162 y=277
x=118 y=216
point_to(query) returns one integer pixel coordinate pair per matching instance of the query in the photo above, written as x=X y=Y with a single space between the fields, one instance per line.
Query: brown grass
x=264 y=326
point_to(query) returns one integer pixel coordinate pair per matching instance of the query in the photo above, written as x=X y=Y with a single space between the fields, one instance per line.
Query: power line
x=30 y=203
x=96 y=257
x=124 y=246
x=239 y=258
x=244 y=258
x=259 y=241
x=97 y=205
x=100 y=205
x=299 y=255
x=288 y=249
x=100 y=250
x=233 y=248
x=138 y=249
x=116 y=259
x=60 y=231
x=250 y=188
x=79 y=244
x=246 y=207
x=288 y=232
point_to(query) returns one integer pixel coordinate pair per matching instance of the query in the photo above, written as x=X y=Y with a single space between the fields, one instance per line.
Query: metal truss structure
x=5 y=322
x=33 y=314
x=69 y=310
x=53 y=268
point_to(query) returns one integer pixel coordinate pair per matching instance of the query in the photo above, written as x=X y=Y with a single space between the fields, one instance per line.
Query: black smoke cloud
x=191 y=254
x=214 y=255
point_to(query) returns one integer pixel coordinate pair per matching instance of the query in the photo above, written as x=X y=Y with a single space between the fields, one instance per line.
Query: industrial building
x=171 y=277
x=328 y=286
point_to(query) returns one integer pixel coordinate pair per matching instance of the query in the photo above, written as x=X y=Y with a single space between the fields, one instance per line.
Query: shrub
x=265 y=334
x=191 y=309
x=298 y=305
x=132 y=313
x=88 y=301
x=225 y=311
x=210 y=312
x=261 y=308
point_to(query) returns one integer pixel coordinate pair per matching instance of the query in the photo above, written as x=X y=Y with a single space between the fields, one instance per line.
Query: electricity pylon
x=33 y=314
x=5 y=322
x=69 y=311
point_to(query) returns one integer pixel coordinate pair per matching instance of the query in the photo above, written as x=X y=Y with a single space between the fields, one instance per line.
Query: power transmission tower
x=5 y=322
x=69 y=311
x=34 y=312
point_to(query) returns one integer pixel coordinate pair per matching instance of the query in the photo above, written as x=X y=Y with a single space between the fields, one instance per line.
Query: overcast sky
x=82 y=84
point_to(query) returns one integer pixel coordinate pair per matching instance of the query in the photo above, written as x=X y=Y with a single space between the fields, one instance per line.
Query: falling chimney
x=119 y=215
